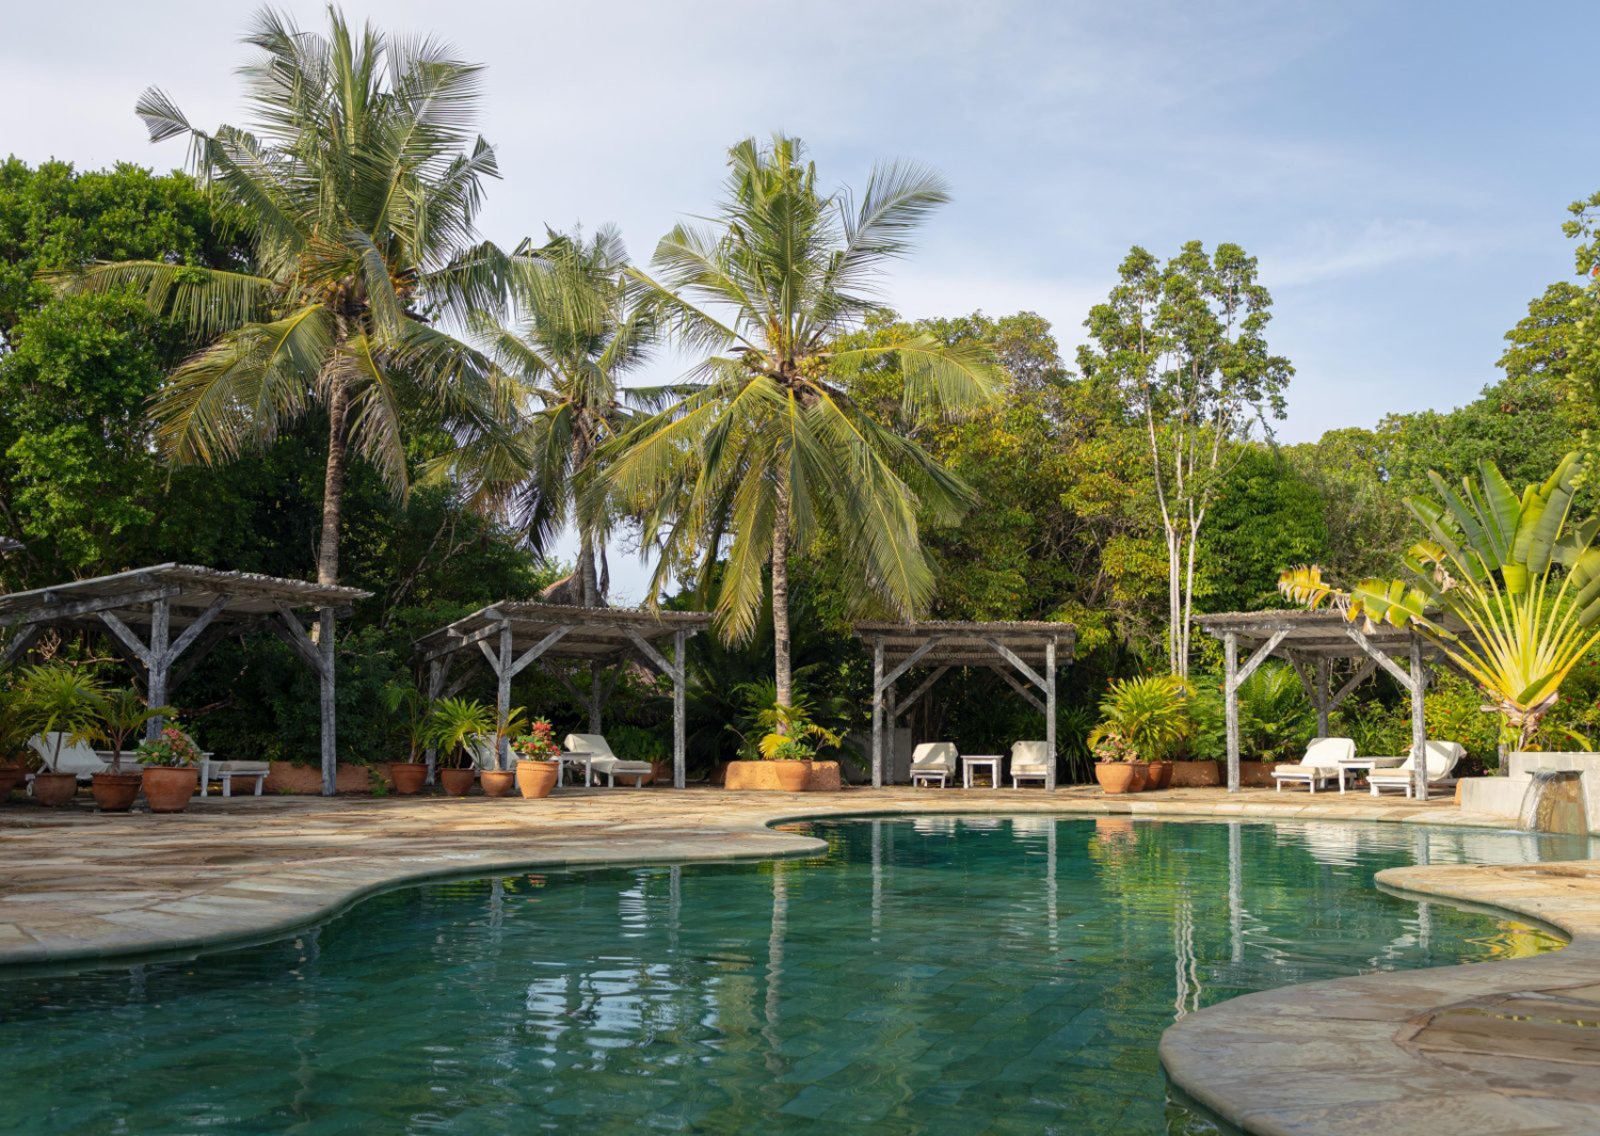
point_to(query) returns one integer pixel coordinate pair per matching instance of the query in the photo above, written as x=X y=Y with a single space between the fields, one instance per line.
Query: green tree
x=357 y=188
x=1185 y=343
x=1266 y=516
x=1365 y=519
x=763 y=447
x=572 y=336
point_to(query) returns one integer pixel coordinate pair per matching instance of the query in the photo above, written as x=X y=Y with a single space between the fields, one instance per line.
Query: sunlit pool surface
x=936 y=975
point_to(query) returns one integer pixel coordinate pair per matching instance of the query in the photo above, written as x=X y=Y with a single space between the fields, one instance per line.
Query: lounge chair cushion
x=1442 y=758
x=935 y=757
x=601 y=759
x=75 y=757
x=1031 y=757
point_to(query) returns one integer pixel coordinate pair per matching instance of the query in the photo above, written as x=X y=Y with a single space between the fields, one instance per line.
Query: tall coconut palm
x=356 y=185
x=766 y=446
x=572 y=336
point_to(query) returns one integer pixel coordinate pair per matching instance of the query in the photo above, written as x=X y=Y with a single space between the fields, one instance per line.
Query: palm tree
x=356 y=186
x=766 y=442
x=572 y=336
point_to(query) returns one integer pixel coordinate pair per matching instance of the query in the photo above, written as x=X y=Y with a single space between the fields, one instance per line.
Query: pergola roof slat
x=596 y=633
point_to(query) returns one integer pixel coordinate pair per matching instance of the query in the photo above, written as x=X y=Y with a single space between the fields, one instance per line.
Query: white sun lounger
x=1442 y=758
x=1319 y=766
x=226 y=771
x=598 y=759
x=934 y=762
x=1030 y=761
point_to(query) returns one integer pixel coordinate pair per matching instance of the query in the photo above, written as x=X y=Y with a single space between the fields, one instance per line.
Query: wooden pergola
x=154 y=615
x=512 y=636
x=1033 y=650
x=1311 y=641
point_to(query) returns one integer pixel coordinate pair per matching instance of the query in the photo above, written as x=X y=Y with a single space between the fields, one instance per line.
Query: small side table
x=972 y=761
x=1366 y=765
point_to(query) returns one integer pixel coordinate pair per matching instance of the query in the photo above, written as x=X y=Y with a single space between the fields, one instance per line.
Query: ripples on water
x=932 y=975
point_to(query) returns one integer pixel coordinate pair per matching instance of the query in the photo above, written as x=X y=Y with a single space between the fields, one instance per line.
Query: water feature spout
x=1554 y=802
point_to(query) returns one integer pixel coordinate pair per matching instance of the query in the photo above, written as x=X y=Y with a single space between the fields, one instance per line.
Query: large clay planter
x=168 y=788
x=1117 y=777
x=783 y=776
x=497 y=782
x=408 y=776
x=1255 y=774
x=660 y=773
x=114 y=792
x=1160 y=775
x=456 y=782
x=10 y=777
x=1141 y=777
x=55 y=788
x=1195 y=775
x=536 y=779
x=306 y=780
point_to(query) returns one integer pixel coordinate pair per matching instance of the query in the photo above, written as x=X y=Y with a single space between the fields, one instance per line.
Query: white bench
x=226 y=771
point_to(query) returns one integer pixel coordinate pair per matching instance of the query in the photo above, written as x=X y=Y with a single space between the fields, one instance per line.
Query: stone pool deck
x=1503 y=1047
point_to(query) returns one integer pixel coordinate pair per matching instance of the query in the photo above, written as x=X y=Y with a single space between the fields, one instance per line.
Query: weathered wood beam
x=195 y=629
x=298 y=639
x=51 y=610
x=877 y=713
x=324 y=649
x=910 y=661
x=680 y=644
x=523 y=661
x=927 y=684
x=1366 y=670
x=19 y=644
x=1230 y=702
x=1396 y=671
x=1015 y=660
x=1015 y=684
x=126 y=636
x=1419 y=725
x=648 y=650
x=460 y=642
x=1050 y=714
x=1259 y=657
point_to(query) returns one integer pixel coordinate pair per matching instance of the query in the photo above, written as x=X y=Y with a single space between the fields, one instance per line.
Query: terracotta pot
x=408 y=776
x=497 y=782
x=306 y=780
x=536 y=778
x=1195 y=775
x=114 y=792
x=1160 y=775
x=168 y=789
x=456 y=782
x=1141 y=776
x=55 y=788
x=10 y=777
x=660 y=773
x=1119 y=776
x=1255 y=775
x=784 y=776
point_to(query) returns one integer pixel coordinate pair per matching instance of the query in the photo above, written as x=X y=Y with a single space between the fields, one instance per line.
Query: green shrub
x=1150 y=714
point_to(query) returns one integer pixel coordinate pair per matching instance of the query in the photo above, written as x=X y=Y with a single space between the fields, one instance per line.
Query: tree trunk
x=589 y=586
x=780 y=601
x=333 y=484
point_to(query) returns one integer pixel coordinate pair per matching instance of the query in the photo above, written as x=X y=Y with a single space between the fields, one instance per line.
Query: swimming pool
x=937 y=974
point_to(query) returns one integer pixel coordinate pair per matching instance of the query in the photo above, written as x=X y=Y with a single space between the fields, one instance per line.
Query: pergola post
x=595 y=697
x=1050 y=713
x=1419 y=723
x=877 y=713
x=435 y=692
x=680 y=748
x=503 y=675
x=158 y=662
x=330 y=748
x=1324 y=683
x=1230 y=699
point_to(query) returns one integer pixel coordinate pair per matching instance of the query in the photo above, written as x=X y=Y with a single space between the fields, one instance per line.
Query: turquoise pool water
x=938 y=975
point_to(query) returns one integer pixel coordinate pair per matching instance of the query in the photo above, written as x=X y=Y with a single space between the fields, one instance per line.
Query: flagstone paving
x=1500 y=1047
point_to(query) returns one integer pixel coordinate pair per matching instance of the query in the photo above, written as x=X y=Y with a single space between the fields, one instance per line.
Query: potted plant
x=497 y=782
x=170 y=774
x=784 y=758
x=415 y=713
x=118 y=716
x=15 y=731
x=538 y=759
x=59 y=703
x=456 y=723
x=1141 y=720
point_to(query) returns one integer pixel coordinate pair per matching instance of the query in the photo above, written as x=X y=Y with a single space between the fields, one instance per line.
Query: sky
x=1400 y=170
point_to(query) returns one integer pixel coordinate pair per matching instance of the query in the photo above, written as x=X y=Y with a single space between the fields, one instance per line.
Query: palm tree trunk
x=333 y=484
x=782 y=676
x=589 y=586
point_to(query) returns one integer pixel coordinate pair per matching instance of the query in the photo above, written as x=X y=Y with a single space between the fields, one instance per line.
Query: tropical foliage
x=1507 y=587
x=1143 y=719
